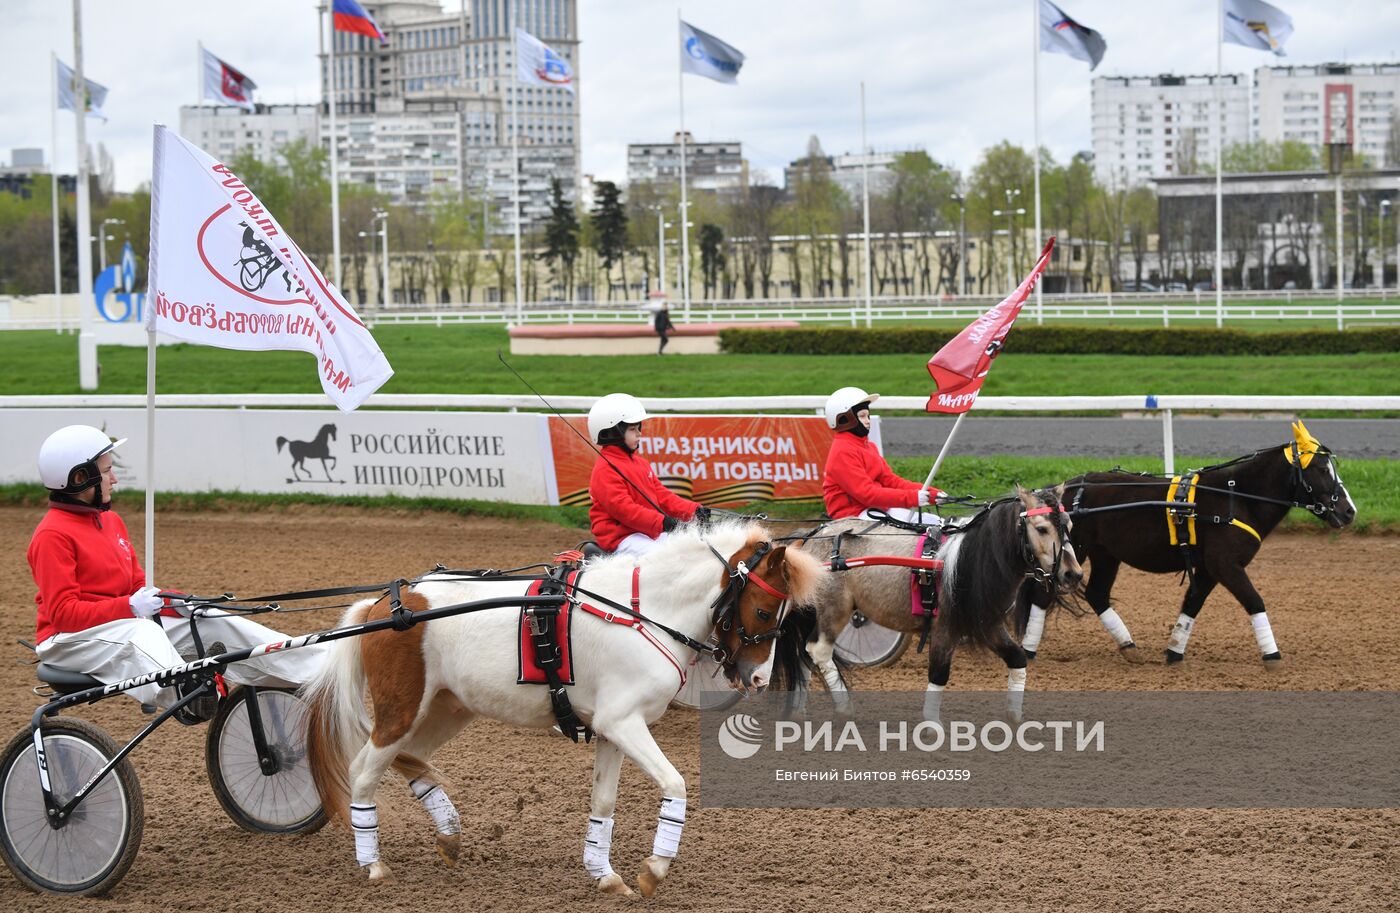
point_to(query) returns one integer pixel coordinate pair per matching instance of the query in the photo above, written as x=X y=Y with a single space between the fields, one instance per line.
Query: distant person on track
x=625 y=491
x=96 y=613
x=661 y=322
x=857 y=478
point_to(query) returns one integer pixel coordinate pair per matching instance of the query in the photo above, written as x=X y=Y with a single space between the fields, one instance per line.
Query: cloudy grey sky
x=950 y=76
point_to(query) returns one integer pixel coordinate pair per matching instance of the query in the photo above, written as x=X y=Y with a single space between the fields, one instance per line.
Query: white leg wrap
x=1015 y=691
x=669 y=826
x=1263 y=633
x=933 y=702
x=435 y=800
x=364 y=821
x=596 y=845
x=1115 y=627
x=832 y=676
x=1035 y=627
x=1181 y=633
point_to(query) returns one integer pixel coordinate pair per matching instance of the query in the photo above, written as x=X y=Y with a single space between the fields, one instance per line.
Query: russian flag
x=349 y=16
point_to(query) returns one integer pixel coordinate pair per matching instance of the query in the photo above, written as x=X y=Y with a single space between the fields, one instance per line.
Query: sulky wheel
x=705 y=686
x=864 y=644
x=91 y=851
x=270 y=792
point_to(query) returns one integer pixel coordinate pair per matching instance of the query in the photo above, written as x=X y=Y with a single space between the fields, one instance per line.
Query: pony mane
x=688 y=541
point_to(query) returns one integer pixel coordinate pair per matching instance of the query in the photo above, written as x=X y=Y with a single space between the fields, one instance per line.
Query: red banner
x=718 y=460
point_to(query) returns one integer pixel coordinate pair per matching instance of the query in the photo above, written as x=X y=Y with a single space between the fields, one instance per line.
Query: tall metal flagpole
x=1035 y=95
x=152 y=260
x=865 y=205
x=199 y=74
x=87 y=341
x=335 y=156
x=685 y=205
x=515 y=168
x=53 y=174
x=1219 y=192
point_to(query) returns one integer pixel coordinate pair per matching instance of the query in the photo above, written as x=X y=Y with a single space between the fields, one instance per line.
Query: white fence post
x=1168 y=444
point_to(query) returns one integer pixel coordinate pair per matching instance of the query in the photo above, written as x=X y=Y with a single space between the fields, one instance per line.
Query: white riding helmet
x=843 y=400
x=612 y=410
x=74 y=447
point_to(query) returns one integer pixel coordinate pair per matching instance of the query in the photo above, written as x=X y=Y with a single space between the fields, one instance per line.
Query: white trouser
x=907 y=514
x=129 y=647
x=639 y=544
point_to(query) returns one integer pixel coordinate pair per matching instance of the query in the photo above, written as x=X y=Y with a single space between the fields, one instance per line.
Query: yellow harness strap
x=1247 y=528
x=1171 y=511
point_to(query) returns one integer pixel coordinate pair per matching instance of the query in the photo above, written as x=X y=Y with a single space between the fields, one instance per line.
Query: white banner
x=224 y=273
x=225 y=84
x=488 y=456
x=1256 y=24
x=705 y=55
x=537 y=64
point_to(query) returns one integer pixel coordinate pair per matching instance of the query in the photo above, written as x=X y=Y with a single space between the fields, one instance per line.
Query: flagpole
x=1219 y=186
x=1035 y=95
x=515 y=168
x=335 y=156
x=944 y=452
x=199 y=74
x=865 y=204
x=87 y=343
x=152 y=283
x=685 y=205
x=53 y=174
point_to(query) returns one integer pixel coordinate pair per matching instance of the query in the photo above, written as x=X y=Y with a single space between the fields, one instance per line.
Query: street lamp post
x=382 y=217
x=1380 y=241
x=102 y=239
x=1010 y=246
x=962 y=243
x=661 y=224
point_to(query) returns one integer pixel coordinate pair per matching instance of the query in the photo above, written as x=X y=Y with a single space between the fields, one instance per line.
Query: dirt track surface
x=524 y=794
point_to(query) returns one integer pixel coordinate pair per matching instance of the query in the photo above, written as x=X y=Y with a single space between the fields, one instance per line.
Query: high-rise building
x=848 y=171
x=714 y=167
x=1356 y=104
x=1148 y=126
x=430 y=110
x=223 y=131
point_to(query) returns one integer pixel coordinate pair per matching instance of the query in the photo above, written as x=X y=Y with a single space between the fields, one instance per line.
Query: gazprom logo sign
x=114 y=291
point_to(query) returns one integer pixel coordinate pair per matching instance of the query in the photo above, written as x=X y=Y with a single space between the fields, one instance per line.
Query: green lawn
x=462 y=359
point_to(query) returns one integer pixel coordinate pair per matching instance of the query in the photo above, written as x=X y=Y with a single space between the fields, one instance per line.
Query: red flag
x=960 y=367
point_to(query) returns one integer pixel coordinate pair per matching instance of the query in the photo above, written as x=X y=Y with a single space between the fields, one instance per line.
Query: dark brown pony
x=1237 y=504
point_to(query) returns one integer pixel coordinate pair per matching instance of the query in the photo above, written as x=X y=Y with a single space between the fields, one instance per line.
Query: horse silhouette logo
x=317 y=449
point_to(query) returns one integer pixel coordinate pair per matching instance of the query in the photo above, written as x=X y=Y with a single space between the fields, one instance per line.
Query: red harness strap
x=636 y=623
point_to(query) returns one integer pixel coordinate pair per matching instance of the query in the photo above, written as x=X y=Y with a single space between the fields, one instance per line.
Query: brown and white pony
x=425 y=684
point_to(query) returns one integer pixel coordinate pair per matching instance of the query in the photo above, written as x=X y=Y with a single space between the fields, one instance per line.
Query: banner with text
x=718 y=460
x=486 y=456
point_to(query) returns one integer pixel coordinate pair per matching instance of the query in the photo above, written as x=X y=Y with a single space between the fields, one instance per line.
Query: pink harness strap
x=636 y=623
x=916 y=602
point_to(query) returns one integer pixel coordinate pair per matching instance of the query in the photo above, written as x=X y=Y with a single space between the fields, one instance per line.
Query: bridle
x=1303 y=492
x=725 y=609
x=1034 y=571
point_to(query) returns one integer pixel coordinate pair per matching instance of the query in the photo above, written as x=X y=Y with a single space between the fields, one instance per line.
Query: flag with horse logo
x=538 y=64
x=960 y=368
x=224 y=273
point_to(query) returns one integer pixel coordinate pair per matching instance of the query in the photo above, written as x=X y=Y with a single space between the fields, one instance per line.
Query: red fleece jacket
x=85 y=568
x=858 y=478
x=619 y=510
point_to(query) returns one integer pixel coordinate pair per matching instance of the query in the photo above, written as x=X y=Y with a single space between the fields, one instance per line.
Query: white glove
x=923 y=497
x=145 y=603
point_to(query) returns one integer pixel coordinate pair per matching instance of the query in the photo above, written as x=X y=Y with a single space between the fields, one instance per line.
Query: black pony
x=1225 y=512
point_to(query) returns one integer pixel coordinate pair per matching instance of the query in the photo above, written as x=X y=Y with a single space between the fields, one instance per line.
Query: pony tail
x=337 y=721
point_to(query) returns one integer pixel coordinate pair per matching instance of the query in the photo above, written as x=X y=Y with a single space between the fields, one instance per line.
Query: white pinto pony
x=428 y=682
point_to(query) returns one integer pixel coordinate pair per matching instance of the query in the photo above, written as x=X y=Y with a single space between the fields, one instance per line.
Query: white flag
x=705 y=55
x=537 y=64
x=96 y=95
x=224 y=273
x=1256 y=24
x=226 y=85
x=1060 y=34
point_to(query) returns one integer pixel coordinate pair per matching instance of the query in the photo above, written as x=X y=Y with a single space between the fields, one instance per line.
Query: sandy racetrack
x=524 y=794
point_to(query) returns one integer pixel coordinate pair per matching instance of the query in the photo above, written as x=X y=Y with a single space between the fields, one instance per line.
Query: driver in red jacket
x=857 y=478
x=624 y=488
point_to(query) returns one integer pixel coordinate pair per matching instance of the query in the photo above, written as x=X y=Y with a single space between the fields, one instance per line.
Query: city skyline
x=801 y=77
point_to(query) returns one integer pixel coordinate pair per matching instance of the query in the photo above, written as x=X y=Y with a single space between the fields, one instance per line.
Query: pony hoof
x=1173 y=657
x=449 y=847
x=379 y=872
x=613 y=884
x=648 y=881
x=1130 y=653
x=1273 y=662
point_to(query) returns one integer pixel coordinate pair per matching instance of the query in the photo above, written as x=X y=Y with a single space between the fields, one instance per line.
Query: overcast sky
x=950 y=76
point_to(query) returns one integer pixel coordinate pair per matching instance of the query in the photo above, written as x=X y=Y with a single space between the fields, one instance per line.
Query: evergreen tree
x=561 y=238
x=609 y=229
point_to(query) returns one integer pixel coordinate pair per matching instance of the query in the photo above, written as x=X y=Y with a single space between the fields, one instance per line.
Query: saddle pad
x=529 y=672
